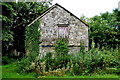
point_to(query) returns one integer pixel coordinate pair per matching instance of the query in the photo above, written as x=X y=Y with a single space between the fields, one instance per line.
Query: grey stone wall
x=78 y=31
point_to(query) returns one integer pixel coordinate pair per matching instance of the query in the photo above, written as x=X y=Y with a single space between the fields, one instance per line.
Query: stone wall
x=78 y=31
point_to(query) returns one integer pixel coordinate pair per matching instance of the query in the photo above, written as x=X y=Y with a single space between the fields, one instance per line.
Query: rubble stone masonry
x=77 y=30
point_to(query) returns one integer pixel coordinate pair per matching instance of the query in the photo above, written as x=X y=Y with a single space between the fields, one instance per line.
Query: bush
x=62 y=57
x=61 y=47
x=59 y=59
x=95 y=61
x=61 y=62
x=24 y=65
x=7 y=60
x=83 y=63
x=49 y=61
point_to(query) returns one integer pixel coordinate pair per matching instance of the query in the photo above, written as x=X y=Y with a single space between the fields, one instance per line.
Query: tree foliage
x=15 y=17
x=104 y=29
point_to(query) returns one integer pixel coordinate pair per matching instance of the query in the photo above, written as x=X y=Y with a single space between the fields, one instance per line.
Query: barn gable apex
x=52 y=7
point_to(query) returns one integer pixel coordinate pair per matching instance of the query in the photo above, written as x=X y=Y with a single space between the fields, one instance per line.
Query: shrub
x=83 y=63
x=24 y=65
x=62 y=57
x=95 y=61
x=61 y=62
x=49 y=61
x=7 y=60
x=59 y=59
x=61 y=47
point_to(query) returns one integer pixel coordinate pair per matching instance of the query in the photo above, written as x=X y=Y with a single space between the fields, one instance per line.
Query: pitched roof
x=52 y=7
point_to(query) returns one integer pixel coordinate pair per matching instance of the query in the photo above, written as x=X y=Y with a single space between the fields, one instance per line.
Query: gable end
x=52 y=7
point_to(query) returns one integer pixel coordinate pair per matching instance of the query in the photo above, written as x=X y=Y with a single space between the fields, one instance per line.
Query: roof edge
x=45 y=12
x=42 y=15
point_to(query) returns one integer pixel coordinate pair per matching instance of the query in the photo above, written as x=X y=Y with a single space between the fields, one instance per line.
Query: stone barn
x=58 y=22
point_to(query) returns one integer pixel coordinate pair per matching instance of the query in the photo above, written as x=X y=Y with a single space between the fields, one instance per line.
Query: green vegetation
x=61 y=52
x=32 y=37
x=61 y=47
x=7 y=60
x=95 y=61
x=9 y=71
x=15 y=17
x=104 y=29
x=91 y=76
x=101 y=61
x=32 y=48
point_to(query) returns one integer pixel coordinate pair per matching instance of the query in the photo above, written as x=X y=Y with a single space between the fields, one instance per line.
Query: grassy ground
x=9 y=71
x=0 y=72
x=92 y=76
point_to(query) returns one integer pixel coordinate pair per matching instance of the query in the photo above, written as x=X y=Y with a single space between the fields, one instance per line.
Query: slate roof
x=52 y=7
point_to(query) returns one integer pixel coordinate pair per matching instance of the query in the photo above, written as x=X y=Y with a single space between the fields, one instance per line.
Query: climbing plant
x=61 y=46
x=32 y=37
x=61 y=49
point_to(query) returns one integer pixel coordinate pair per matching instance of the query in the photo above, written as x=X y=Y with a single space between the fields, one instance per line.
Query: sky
x=88 y=8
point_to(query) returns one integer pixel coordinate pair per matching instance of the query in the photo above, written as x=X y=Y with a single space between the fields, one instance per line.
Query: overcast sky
x=89 y=8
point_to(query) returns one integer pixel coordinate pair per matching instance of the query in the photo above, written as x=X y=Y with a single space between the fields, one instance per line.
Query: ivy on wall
x=61 y=46
x=32 y=37
x=61 y=49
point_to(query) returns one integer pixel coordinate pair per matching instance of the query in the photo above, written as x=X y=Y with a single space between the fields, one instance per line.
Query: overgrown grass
x=9 y=71
x=95 y=63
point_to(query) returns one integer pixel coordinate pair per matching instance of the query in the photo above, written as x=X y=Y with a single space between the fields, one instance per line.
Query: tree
x=116 y=14
x=7 y=19
x=104 y=29
x=15 y=17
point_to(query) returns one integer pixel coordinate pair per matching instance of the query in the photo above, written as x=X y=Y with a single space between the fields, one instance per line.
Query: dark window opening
x=62 y=31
